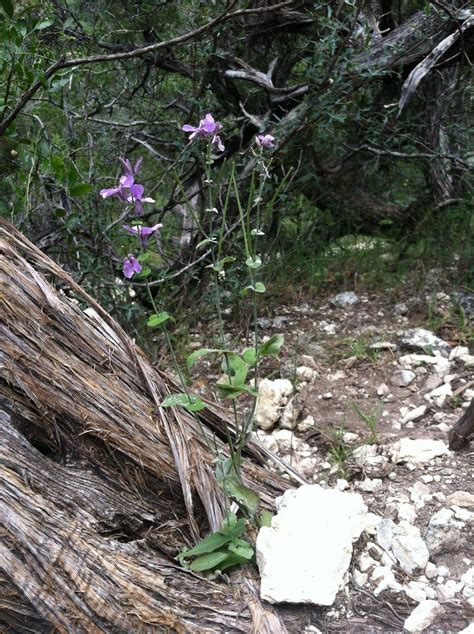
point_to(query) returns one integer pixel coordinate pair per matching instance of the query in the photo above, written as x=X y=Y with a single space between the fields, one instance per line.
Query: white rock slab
x=423 y=616
x=272 y=397
x=305 y=554
x=417 y=450
x=440 y=365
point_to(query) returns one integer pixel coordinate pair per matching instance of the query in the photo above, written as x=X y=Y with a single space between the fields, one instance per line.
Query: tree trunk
x=462 y=430
x=99 y=486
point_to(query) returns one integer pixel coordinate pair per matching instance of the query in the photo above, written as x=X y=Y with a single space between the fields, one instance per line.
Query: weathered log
x=54 y=550
x=99 y=485
x=462 y=430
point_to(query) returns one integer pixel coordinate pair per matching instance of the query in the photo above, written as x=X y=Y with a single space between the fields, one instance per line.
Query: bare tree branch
x=137 y=52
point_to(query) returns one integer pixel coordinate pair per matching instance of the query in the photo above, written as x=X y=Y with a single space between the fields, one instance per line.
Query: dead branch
x=462 y=431
x=425 y=66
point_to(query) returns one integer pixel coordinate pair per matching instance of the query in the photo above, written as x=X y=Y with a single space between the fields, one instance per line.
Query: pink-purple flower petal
x=131 y=266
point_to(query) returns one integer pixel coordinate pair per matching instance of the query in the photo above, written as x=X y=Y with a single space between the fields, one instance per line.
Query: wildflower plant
x=226 y=547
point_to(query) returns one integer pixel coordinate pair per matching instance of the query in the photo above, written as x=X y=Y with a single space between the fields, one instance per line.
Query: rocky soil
x=361 y=400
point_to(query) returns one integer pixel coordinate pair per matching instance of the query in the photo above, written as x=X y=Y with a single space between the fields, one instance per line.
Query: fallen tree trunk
x=99 y=486
x=55 y=550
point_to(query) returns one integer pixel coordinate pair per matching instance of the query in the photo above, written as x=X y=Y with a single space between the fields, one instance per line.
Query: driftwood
x=99 y=486
x=462 y=430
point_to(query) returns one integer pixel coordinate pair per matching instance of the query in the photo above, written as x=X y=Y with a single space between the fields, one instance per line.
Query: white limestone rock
x=345 y=300
x=305 y=373
x=417 y=450
x=414 y=414
x=305 y=554
x=423 y=616
x=468 y=581
x=306 y=424
x=286 y=441
x=441 y=366
x=439 y=395
x=289 y=416
x=272 y=397
x=461 y=498
x=385 y=580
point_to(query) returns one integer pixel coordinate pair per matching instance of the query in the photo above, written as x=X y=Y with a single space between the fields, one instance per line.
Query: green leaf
x=258 y=288
x=205 y=242
x=208 y=562
x=207 y=545
x=44 y=24
x=191 y=403
x=156 y=320
x=72 y=221
x=218 y=266
x=143 y=273
x=7 y=6
x=237 y=367
x=200 y=353
x=250 y=356
x=228 y=479
x=232 y=560
x=254 y=263
x=265 y=518
x=241 y=548
x=81 y=189
x=144 y=257
x=272 y=346
x=226 y=390
x=244 y=496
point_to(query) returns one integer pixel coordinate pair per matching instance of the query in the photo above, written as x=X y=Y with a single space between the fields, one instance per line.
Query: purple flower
x=131 y=266
x=136 y=197
x=265 y=140
x=208 y=128
x=143 y=233
x=126 y=181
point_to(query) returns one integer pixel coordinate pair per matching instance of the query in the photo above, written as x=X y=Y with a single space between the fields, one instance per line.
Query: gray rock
x=444 y=532
x=409 y=548
x=400 y=309
x=385 y=533
x=432 y=382
x=280 y=321
x=420 y=339
x=305 y=554
x=344 y=300
x=402 y=378
x=464 y=301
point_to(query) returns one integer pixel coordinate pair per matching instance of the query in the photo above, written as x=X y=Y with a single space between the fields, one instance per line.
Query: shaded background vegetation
x=360 y=188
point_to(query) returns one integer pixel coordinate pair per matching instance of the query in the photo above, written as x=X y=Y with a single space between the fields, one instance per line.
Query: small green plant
x=225 y=547
x=371 y=421
x=360 y=348
x=221 y=550
x=339 y=451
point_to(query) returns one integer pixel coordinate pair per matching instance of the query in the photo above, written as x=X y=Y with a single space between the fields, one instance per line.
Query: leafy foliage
x=221 y=550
